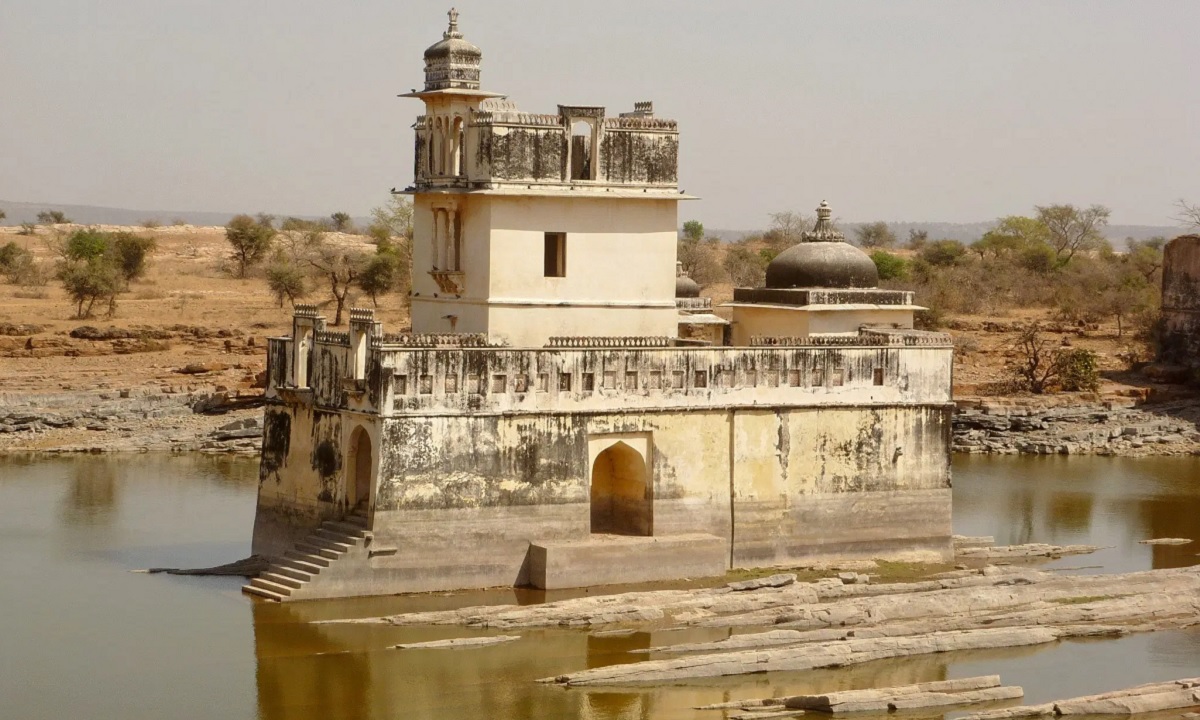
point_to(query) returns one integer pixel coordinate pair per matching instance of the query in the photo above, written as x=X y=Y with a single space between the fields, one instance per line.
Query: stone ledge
x=616 y=559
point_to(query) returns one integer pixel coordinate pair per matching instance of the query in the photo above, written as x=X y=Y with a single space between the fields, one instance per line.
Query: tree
x=744 y=266
x=1189 y=215
x=379 y=274
x=3 y=215
x=1012 y=234
x=87 y=282
x=52 y=217
x=286 y=280
x=251 y=240
x=86 y=244
x=787 y=229
x=339 y=267
x=1038 y=365
x=890 y=267
x=875 y=235
x=917 y=238
x=943 y=252
x=1070 y=230
x=128 y=253
x=341 y=221
x=693 y=230
x=699 y=260
x=396 y=215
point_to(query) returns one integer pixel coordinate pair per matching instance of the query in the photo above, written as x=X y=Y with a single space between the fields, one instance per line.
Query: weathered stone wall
x=1180 y=342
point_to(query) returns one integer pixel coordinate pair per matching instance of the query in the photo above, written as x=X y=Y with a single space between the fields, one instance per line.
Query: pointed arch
x=622 y=501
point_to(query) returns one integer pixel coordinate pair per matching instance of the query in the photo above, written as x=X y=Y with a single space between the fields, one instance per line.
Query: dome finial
x=823 y=231
x=452 y=31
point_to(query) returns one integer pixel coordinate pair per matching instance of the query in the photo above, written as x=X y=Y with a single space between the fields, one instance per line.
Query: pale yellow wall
x=620 y=268
x=780 y=321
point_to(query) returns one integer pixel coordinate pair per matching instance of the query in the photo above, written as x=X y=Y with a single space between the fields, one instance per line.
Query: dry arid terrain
x=191 y=334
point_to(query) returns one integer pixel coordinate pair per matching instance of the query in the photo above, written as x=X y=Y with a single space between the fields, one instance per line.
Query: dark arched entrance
x=622 y=503
x=359 y=470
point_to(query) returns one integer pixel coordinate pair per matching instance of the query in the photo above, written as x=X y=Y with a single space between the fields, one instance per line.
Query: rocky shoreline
x=1022 y=426
x=207 y=419
x=214 y=419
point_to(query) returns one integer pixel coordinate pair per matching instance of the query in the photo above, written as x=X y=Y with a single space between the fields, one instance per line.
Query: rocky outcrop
x=1087 y=429
x=1152 y=697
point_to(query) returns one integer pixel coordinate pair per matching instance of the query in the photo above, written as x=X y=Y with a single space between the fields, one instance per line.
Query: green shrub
x=890 y=267
x=942 y=253
x=128 y=253
x=1078 y=370
x=86 y=244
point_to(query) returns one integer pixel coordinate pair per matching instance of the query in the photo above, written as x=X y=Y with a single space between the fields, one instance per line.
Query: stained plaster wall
x=1180 y=341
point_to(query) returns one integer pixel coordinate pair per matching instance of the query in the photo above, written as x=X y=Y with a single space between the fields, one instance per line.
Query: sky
x=892 y=110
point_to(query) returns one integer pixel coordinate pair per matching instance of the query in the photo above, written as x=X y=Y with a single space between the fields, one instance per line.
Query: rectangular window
x=564 y=382
x=589 y=382
x=473 y=385
x=426 y=384
x=631 y=380
x=818 y=377
x=677 y=379
x=543 y=382
x=450 y=384
x=794 y=377
x=772 y=378
x=520 y=383
x=701 y=379
x=839 y=377
x=656 y=379
x=499 y=383
x=878 y=376
x=556 y=254
x=751 y=378
x=610 y=379
x=400 y=384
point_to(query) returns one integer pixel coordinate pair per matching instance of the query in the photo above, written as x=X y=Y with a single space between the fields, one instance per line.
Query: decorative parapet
x=611 y=341
x=303 y=310
x=358 y=315
x=333 y=338
x=512 y=117
x=640 y=123
x=868 y=337
x=439 y=340
x=698 y=303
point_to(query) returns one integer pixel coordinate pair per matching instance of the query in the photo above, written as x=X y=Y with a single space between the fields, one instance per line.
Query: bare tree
x=787 y=229
x=1071 y=229
x=1189 y=215
x=339 y=267
x=1039 y=366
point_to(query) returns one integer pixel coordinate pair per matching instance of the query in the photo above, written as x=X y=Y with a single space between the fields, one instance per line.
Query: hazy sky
x=953 y=111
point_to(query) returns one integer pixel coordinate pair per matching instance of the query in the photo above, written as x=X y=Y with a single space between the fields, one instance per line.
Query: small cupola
x=685 y=287
x=823 y=259
x=452 y=63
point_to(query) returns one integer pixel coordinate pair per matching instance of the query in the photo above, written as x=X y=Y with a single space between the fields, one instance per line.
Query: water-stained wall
x=1180 y=341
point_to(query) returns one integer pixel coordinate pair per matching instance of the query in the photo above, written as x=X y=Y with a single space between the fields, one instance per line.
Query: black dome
x=822 y=265
x=685 y=287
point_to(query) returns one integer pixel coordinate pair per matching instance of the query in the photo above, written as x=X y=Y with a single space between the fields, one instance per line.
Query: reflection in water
x=181 y=647
x=92 y=495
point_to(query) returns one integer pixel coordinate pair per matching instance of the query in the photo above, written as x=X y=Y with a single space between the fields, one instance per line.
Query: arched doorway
x=621 y=497
x=359 y=470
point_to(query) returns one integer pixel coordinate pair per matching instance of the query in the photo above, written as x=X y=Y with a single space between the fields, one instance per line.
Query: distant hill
x=23 y=212
x=970 y=232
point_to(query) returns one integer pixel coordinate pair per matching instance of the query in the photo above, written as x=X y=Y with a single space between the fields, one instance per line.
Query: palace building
x=567 y=410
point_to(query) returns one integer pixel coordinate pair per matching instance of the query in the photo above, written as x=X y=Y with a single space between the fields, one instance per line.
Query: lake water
x=83 y=637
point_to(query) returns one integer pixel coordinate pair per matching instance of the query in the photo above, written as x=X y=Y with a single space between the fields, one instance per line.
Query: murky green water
x=82 y=637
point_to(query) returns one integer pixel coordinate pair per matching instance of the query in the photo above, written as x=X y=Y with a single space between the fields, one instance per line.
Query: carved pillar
x=443 y=235
x=452 y=239
x=437 y=226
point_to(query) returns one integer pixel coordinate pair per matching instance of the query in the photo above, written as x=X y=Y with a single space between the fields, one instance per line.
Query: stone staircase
x=289 y=577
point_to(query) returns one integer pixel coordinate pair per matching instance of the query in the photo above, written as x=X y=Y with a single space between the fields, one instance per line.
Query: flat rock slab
x=1030 y=550
x=454 y=643
x=1152 y=697
x=1166 y=541
x=774 y=581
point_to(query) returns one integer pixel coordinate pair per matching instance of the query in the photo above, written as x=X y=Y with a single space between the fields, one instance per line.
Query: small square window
x=794 y=377
x=877 y=376
x=499 y=383
x=701 y=379
x=564 y=382
x=426 y=384
x=473 y=385
x=677 y=379
x=631 y=380
x=589 y=382
x=610 y=379
x=450 y=384
x=543 y=382
x=838 y=377
x=818 y=377
x=520 y=383
x=656 y=379
x=400 y=384
x=556 y=254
